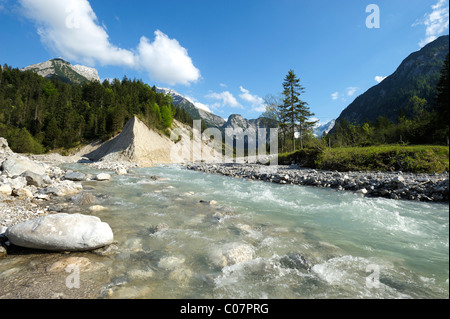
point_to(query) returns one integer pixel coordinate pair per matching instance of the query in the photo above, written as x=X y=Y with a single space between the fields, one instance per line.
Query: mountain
x=321 y=129
x=210 y=119
x=417 y=75
x=65 y=71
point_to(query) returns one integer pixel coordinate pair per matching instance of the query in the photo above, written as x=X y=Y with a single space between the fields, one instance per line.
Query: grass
x=415 y=159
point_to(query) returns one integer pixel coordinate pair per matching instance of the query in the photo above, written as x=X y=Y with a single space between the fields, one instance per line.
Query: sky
x=226 y=56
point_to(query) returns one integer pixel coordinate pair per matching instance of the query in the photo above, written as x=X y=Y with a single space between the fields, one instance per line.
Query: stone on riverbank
x=33 y=179
x=16 y=165
x=5 y=189
x=75 y=176
x=61 y=232
x=62 y=188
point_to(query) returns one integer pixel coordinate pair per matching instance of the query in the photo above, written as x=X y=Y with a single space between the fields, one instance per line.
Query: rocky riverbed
x=394 y=185
x=31 y=189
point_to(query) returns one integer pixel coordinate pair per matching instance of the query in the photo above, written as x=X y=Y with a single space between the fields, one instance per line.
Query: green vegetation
x=427 y=122
x=413 y=143
x=39 y=114
x=415 y=159
x=290 y=114
x=418 y=75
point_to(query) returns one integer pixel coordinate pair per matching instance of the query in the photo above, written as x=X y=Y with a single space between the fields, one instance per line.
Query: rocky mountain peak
x=64 y=70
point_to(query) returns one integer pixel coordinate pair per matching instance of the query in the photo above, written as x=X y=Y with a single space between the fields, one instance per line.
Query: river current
x=171 y=241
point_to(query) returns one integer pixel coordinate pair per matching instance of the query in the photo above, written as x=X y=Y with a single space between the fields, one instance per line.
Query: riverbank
x=394 y=185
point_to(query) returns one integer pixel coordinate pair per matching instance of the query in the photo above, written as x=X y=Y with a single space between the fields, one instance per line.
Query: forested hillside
x=416 y=77
x=39 y=114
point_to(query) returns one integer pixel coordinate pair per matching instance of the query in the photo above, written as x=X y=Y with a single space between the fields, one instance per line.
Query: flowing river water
x=355 y=247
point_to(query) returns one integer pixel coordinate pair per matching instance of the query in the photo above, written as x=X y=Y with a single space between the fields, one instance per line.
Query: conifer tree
x=294 y=113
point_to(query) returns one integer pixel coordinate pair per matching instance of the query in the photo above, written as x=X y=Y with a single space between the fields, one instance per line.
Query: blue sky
x=226 y=55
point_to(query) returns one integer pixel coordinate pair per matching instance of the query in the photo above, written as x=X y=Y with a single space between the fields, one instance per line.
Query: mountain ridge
x=418 y=74
x=64 y=70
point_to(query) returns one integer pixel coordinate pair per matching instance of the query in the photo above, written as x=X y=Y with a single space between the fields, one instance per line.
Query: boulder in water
x=75 y=176
x=103 y=177
x=295 y=261
x=231 y=254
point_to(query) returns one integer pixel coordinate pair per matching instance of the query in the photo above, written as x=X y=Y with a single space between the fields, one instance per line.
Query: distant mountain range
x=417 y=75
x=322 y=129
x=211 y=120
x=65 y=71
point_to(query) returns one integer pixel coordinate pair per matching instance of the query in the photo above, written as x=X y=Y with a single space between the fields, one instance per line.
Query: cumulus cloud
x=225 y=98
x=166 y=60
x=436 y=22
x=71 y=29
x=335 y=95
x=256 y=101
x=380 y=78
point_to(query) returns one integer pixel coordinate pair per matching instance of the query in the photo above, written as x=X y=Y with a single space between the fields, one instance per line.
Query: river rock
x=103 y=177
x=295 y=261
x=75 y=176
x=60 y=265
x=33 y=179
x=84 y=198
x=61 y=232
x=362 y=191
x=3 y=251
x=63 y=188
x=97 y=208
x=16 y=165
x=231 y=254
x=209 y=202
x=121 y=171
x=170 y=262
x=161 y=227
x=17 y=182
x=5 y=189
x=22 y=193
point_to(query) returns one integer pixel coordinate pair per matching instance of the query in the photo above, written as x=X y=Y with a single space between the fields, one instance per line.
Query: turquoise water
x=356 y=247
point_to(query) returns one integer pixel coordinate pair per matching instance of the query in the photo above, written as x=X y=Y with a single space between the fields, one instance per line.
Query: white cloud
x=166 y=60
x=351 y=90
x=223 y=85
x=380 y=78
x=335 y=95
x=226 y=98
x=436 y=22
x=199 y=105
x=256 y=101
x=71 y=29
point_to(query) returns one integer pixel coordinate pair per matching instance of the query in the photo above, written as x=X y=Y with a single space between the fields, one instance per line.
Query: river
x=355 y=247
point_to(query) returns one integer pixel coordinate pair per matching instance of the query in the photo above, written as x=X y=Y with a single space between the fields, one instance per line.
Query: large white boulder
x=61 y=232
x=16 y=165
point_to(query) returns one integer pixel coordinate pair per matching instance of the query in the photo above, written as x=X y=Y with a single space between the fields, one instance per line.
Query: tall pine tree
x=294 y=113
